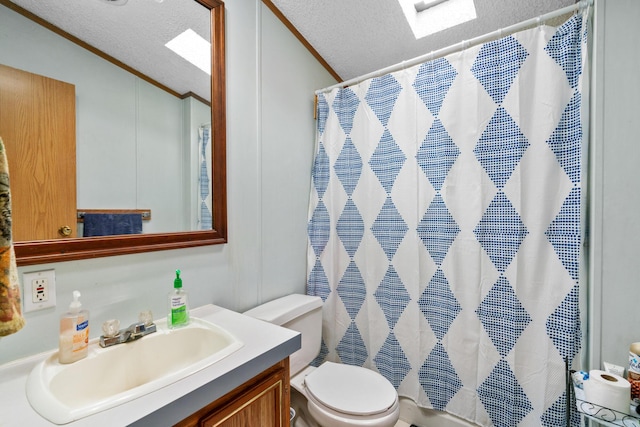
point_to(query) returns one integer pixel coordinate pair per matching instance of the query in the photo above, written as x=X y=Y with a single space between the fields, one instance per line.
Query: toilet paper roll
x=608 y=390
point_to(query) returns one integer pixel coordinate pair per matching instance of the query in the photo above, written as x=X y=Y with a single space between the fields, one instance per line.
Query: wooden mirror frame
x=49 y=251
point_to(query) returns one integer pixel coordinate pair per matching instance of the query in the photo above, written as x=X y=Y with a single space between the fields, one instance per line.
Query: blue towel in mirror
x=111 y=224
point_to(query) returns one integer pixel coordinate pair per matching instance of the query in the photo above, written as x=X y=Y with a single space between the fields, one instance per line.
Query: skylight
x=440 y=16
x=193 y=48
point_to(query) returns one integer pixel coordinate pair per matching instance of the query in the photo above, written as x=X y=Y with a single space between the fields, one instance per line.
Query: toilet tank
x=302 y=313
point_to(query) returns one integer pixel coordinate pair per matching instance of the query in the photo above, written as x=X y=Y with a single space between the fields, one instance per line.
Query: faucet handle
x=111 y=327
x=146 y=317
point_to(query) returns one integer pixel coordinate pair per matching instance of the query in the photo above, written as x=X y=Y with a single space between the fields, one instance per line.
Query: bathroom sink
x=111 y=376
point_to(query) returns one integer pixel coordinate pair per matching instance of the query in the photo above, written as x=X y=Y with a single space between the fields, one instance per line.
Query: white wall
x=615 y=226
x=269 y=148
x=287 y=149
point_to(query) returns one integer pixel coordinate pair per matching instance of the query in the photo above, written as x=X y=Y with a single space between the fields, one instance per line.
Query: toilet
x=337 y=395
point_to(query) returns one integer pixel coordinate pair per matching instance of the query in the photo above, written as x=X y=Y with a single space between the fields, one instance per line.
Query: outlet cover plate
x=30 y=281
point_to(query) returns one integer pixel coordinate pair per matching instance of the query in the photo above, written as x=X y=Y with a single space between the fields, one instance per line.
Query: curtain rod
x=582 y=4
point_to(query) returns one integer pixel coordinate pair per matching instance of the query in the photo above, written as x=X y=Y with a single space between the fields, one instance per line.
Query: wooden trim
x=300 y=37
x=193 y=95
x=211 y=4
x=286 y=401
x=315 y=107
x=219 y=118
x=47 y=251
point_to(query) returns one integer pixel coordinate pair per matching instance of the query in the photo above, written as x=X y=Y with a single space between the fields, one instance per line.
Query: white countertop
x=264 y=345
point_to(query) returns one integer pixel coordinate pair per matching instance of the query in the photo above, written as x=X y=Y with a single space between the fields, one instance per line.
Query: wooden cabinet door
x=38 y=128
x=261 y=406
x=260 y=402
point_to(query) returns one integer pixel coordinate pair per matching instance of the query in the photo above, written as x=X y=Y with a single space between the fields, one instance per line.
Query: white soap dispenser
x=74 y=332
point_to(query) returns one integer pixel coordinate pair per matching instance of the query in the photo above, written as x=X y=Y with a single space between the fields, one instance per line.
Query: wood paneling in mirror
x=38 y=128
x=47 y=251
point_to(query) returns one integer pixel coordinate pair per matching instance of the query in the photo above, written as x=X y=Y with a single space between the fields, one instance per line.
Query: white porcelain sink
x=111 y=376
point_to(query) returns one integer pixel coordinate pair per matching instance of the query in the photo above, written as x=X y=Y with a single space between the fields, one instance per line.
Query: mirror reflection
x=142 y=149
x=170 y=175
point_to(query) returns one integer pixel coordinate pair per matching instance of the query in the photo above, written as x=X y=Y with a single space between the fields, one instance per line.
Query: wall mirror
x=185 y=233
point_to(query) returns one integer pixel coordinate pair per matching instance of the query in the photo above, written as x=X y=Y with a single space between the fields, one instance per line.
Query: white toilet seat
x=350 y=390
x=342 y=395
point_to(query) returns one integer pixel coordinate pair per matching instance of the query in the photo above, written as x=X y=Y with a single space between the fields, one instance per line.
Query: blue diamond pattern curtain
x=445 y=226
x=205 y=217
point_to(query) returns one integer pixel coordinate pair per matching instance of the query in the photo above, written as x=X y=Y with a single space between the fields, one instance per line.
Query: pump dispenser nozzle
x=75 y=305
x=177 y=283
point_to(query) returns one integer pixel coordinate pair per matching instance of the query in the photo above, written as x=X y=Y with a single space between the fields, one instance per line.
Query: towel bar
x=146 y=213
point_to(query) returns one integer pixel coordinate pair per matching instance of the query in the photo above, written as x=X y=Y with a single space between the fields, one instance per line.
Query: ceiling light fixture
x=193 y=48
x=423 y=5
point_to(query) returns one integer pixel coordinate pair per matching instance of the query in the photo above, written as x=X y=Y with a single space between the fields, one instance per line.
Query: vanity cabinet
x=262 y=401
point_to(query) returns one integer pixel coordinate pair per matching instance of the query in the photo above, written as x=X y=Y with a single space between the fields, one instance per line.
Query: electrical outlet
x=39 y=290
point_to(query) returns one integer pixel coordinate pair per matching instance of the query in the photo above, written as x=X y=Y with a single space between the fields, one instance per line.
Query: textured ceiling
x=354 y=37
x=135 y=34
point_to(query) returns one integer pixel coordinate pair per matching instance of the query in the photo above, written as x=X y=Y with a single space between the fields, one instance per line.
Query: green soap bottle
x=178 y=305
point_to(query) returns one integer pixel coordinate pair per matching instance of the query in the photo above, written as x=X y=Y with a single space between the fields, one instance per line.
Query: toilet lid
x=351 y=389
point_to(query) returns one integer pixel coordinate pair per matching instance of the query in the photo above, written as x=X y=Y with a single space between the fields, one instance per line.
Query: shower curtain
x=205 y=217
x=445 y=226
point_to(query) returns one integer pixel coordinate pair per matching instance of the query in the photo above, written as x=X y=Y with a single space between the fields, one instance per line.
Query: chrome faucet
x=113 y=335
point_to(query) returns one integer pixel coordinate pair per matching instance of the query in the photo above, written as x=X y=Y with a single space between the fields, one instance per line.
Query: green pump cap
x=177 y=283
